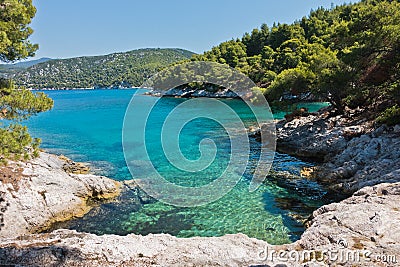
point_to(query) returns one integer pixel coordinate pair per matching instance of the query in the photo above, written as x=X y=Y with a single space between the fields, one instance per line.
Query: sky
x=71 y=28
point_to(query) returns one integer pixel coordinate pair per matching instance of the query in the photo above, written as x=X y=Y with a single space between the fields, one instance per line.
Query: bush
x=390 y=116
x=16 y=105
x=17 y=144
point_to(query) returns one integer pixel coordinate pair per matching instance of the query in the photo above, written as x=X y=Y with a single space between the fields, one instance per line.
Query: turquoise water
x=86 y=125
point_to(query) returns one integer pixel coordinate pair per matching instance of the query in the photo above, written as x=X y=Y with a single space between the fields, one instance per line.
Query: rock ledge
x=45 y=194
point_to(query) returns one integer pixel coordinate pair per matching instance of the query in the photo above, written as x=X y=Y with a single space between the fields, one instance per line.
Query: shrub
x=390 y=116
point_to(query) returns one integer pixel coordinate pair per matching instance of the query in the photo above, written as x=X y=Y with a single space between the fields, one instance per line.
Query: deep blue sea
x=86 y=125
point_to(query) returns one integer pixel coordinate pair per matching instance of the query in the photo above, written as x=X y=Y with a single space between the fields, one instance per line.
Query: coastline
x=188 y=92
x=46 y=190
x=369 y=220
x=353 y=153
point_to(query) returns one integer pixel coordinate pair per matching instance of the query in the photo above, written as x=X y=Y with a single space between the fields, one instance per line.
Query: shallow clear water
x=86 y=125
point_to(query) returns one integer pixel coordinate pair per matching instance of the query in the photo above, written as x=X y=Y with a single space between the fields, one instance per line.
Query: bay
x=86 y=125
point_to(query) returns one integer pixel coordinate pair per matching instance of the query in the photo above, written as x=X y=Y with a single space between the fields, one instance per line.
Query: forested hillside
x=7 y=70
x=348 y=55
x=115 y=70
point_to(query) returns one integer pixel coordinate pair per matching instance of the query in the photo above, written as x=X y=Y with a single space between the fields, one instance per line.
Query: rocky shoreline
x=356 y=158
x=37 y=193
x=188 y=92
x=354 y=153
x=365 y=226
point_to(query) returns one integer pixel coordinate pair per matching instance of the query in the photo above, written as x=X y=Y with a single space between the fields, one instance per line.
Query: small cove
x=86 y=125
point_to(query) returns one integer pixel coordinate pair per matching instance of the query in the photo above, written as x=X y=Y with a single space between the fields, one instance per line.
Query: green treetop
x=15 y=16
x=348 y=55
x=17 y=104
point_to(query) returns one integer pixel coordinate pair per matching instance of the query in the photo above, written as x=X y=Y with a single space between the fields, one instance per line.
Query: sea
x=88 y=126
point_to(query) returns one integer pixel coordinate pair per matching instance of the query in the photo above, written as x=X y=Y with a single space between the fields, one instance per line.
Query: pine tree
x=17 y=104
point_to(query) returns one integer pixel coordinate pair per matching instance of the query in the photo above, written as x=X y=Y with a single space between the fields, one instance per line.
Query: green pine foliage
x=348 y=55
x=15 y=16
x=17 y=104
x=390 y=116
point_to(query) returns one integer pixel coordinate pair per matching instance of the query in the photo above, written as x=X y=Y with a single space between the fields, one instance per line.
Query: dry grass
x=11 y=175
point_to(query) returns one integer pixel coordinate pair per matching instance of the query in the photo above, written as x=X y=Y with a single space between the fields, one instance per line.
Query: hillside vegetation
x=117 y=70
x=7 y=70
x=348 y=55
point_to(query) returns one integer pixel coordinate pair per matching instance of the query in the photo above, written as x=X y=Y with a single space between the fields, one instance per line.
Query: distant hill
x=127 y=69
x=10 y=69
x=25 y=64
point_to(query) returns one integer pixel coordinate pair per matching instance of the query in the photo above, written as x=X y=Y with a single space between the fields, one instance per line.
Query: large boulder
x=39 y=193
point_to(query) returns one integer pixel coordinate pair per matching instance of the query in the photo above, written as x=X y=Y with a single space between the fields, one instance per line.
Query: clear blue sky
x=69 y=28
